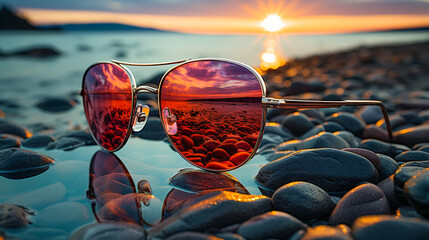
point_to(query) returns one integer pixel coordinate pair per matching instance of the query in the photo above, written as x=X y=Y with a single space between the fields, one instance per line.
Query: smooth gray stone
x=297 y=123
x=278 y=154
x=378 y=146
x=13 y=216
x=333 y=127
x=68 y=143
x=417 y=194
x=389 y=227
x=312 y=132
x=303 y=200
x=16 y=163
x=8 y=127
x=321 y=140
x=277 y=129
x=9 y=142
x=388 y=187
x=348 y=137
x=225 y=208
x=366 y=199
x=229 y=236
x=412 y=136
x=350 y=122
x=370 y=114
x=113 y=231
x=374 y=132
x=324 y=232
x=407 y=211
x=38 y=141
x=424 y=148
x=193 y=236
x=270 y=225
x=371 y=156
x=56 y=104
x=405 y=172
x=82 y=135
x=314 y=113
x=412 y=156
x=388 y=166
x=333 y=170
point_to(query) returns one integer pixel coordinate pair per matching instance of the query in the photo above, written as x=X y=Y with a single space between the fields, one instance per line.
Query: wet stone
x=270 y=225
x=366 y=199
x=297 y=123
x=378 y=146
x=389 y=227
x=68 y=143
x=371 y=156
x=405 y=172
x=153 y=130
x=412 y=136
x=348 y=137
x=417 y=194
x=350 y=122
x=224 y=208
x=114 y=231
x=16 y=163
x=333 y=170
x=303 y=200
x=388 y=166
x=325 y=232
x=333 y=127
x=13 y=216
x=321 y=140
x=81 y=135
x=409 y=156
x=37 y=141
x=7 y=127
x=56 y=104
x=9 y=142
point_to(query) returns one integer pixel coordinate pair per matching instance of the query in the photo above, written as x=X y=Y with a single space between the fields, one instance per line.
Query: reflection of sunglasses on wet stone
x=213 y=110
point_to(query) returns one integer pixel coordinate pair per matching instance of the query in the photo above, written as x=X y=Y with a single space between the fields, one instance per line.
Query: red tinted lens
x=212 y=112
x=108 y=103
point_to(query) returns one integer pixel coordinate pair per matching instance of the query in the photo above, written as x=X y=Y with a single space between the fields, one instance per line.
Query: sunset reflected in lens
x=217 y=108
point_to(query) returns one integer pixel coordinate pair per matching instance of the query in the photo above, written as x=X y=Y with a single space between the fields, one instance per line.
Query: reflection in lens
x=108 y=104
x=218 y=111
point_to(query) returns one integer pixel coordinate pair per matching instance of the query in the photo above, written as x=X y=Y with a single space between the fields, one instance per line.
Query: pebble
x=371 y=156
x=412 y=156
x=193 y=236
x=277 y=129
x=303 y=200
x=297 y=123
x=277 y=155
x=370 y=114
x=38 y=141
x=270 y=225
x=405 y=172
x=417 y=194
x=348 y=137
x=113 y=231
x=388 y=187
x=333 y=170
x=412 y=136
x=143 y=186
x=13 y=216
x=229 y=236
x=314 y=113
x=389 y=227
x=36 y=52
x=395 y=122
x=424 y=148
x=378 y=146
x=153 y=130
x=298 y=87
x=365 y=199
x=350 y=122
x=224 y=208
x=388 y=166
x=16 y=163
x=332 y=127
x=8 y=127
x=407 y=211
x=56 y=104
x=321 y=140
x=374 y=132
x=314 y=131
x=81 y=135
x=63 y=215
x=9 y=142
x=324 y=232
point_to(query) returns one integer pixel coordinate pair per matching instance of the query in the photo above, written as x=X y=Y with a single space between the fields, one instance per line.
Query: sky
x=233 y=16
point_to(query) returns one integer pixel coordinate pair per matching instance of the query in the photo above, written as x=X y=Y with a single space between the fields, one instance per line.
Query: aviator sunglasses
x=213 y=111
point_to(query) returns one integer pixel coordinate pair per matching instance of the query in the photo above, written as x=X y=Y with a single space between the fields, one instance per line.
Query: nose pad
x=140 y=118
x=169 y=121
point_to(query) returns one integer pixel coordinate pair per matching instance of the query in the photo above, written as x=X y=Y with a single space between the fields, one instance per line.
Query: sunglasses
x=213 y=111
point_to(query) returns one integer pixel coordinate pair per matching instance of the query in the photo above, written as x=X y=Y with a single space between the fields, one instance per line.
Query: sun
x=273 y=23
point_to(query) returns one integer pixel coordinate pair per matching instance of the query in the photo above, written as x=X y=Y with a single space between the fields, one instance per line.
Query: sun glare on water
x=273 y=23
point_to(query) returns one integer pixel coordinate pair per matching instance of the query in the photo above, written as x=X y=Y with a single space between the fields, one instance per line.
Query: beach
x=329 y=172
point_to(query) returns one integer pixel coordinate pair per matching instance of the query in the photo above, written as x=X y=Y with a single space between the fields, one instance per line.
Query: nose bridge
x=144 y=89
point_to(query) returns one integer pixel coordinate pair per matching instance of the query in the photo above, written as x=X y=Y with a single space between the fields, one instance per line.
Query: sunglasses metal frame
x=267 y=102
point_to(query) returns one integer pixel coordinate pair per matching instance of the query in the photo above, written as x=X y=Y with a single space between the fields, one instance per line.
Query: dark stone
x=349 y=121
x=297 y=123
x=412 y=156
x=153 y=130
x=303 y=200
x=366 y=199
x=407 y=211
x=412 y=103
x=275 y=128
x=229 y=236
x=81 y=135
x=378 y=146
x=412 y=136
x=56 y=104
x=36 y=52
x=417 y=194
x=321 y=140
x=388 y=187
x=333 y=127
x=314 y=131
x=16 y=163
x=270 y=138
x=333 y=170
x=113 y=231
x=324 y=232
x=9 y=142
x=12 y=216
x=225 y=208
x=271 y=225
x=405 y=172
x=395 y=122
x=38 y=141
x=370 y=114
x=389 y=227
x=8 y=127
x=348 y=137
x=314 y=113
x=424 y=148
x=297 y=87
x=374 y=132
x=388 y=166
x=193 y=236
x=277 y=155
x=68 y=143
x=371 y=156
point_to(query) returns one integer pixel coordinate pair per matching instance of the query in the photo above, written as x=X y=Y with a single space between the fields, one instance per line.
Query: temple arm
x=295 y=104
